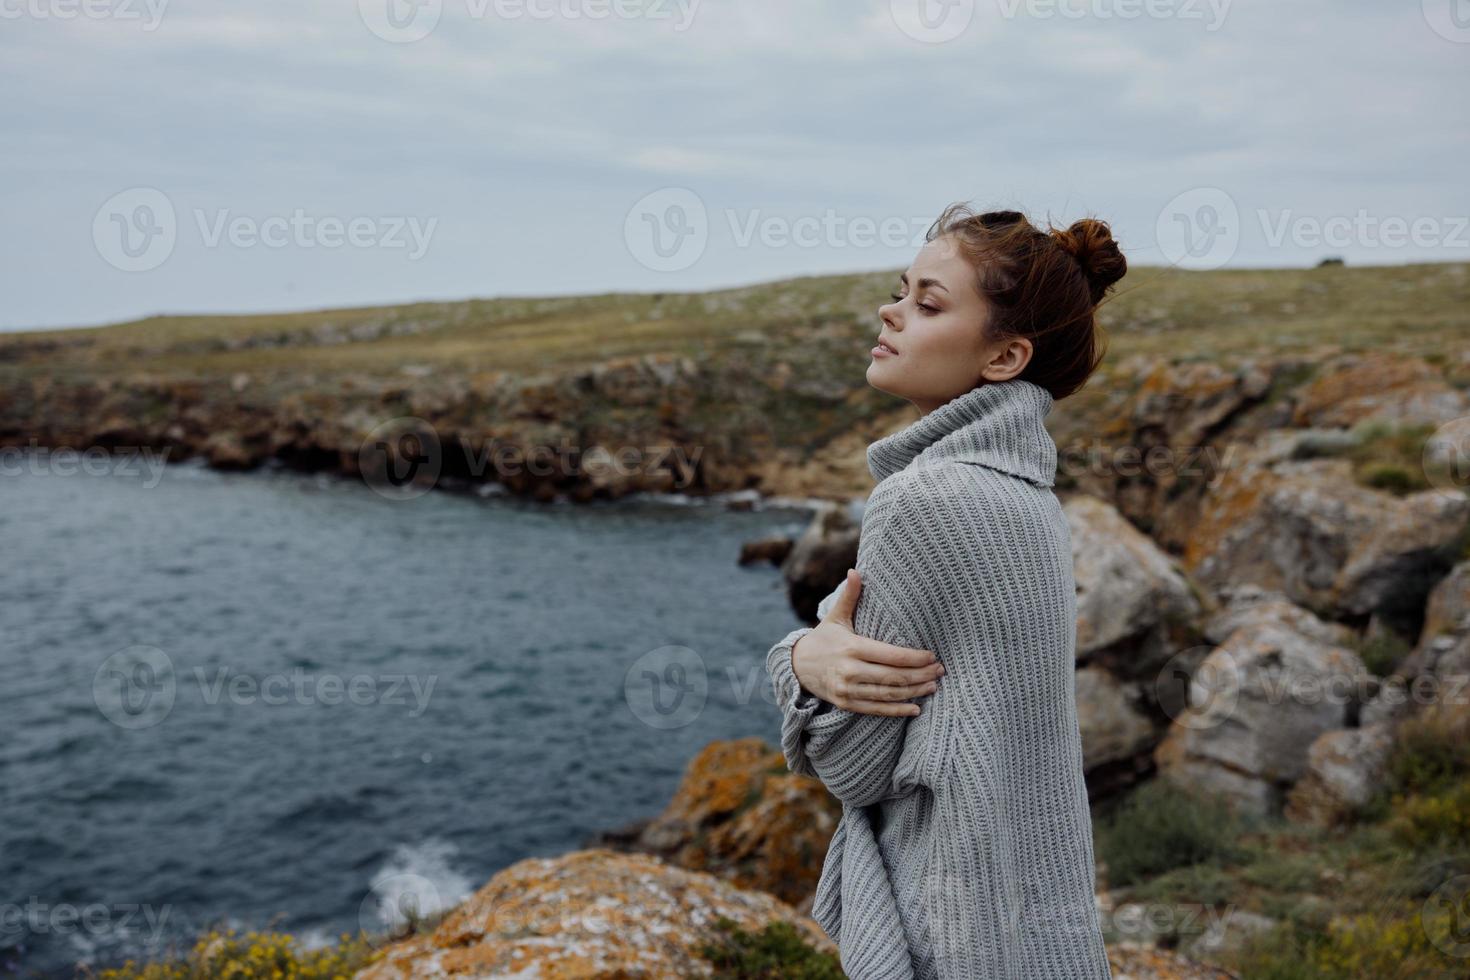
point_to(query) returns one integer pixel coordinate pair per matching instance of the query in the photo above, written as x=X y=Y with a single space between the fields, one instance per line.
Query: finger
x=887 y=692
x=893 y=709
x=887 y=654
x=894 y=676
x=842 y=610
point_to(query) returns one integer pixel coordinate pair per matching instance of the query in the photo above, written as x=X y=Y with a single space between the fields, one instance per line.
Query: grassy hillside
x=1418 y=309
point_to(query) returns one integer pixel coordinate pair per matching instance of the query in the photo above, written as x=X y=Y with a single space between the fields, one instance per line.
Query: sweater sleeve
x=854 y=754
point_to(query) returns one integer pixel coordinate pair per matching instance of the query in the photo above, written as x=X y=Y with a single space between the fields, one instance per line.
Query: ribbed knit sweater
x=964 y=851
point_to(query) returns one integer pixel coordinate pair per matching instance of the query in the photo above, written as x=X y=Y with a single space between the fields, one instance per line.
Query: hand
x=857 y=673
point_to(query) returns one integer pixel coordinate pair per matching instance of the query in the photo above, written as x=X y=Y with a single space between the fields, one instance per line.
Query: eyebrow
x=924 y=282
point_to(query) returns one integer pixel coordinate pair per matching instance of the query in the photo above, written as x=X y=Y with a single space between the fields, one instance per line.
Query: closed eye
x=931 y=310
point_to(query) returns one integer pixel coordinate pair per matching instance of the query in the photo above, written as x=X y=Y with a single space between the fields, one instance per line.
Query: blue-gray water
x=128 y=819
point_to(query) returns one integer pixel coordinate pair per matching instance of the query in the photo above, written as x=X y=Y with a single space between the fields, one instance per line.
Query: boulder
x=1356 y=388
x=1243 y=604
x=773 y=549
x=1227 y=934
x=1135 y=607
x=819 y=560
x=227 y=451
x=1305 y=529
x=1438 y=668
x=1256 y=705
x=1144 y=961
x=740 y=814
x=1344 y=768
x=1116 y=736
x=587 y=915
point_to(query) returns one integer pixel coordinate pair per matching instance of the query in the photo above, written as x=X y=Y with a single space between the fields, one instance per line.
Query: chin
x=875 y=378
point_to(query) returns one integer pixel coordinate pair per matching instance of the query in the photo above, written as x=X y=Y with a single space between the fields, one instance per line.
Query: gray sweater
x=965 y=844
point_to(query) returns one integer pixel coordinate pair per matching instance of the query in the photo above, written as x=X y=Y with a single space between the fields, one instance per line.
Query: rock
x=226 y=451
x=773 y=549
x=1306 y=529
x=1448 y=609
x=1257 y=703
x=1248 y=603
x=1353 y=388
x=588 y=915
x=740 y=814
x=1135 y=607
x=1113 y=731
x=1227 y=934
x=1438 y=668
x=819 y=560
x=1344 y=769
x=1154 y=448
x=1142 y=961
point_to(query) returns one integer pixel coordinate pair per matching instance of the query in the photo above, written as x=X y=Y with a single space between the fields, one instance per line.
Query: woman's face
x=936 y=328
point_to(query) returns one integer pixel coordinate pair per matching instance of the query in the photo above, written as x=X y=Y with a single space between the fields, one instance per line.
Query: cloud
x=497 y=124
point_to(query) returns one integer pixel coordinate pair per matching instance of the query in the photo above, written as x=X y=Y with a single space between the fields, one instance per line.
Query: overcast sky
x=172 y=156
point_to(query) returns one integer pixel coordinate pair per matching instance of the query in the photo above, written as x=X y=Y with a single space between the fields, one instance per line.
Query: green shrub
x=1381 y=945
x=1431 y=752
x=1395 y=942
x=1383 y=651
x=776 y=952
x=226 y=955
x=1161 y=827
x=1437 y=820
x=1392 y=477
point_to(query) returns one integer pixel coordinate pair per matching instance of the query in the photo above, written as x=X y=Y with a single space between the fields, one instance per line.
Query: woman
x=965 y=845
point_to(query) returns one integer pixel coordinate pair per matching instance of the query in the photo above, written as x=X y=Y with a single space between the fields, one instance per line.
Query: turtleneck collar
x=999 y=424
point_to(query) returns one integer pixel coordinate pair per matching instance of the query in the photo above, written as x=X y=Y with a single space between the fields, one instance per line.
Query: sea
x=283 y=700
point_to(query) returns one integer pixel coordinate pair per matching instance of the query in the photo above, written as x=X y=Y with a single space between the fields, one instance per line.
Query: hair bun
x=1090 y=242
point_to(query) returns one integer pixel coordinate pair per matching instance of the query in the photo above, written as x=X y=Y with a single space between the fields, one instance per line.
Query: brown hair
x=1041 y=285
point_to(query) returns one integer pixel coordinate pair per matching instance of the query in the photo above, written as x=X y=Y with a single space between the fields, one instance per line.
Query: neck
x=999 y=424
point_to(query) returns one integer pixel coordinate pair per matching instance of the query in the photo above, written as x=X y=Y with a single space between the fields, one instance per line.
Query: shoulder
x=940 y=493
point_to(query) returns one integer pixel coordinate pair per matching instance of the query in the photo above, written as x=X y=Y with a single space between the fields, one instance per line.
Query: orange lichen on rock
x=584 y=915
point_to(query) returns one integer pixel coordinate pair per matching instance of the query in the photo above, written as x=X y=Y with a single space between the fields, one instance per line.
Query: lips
x=887 y=346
